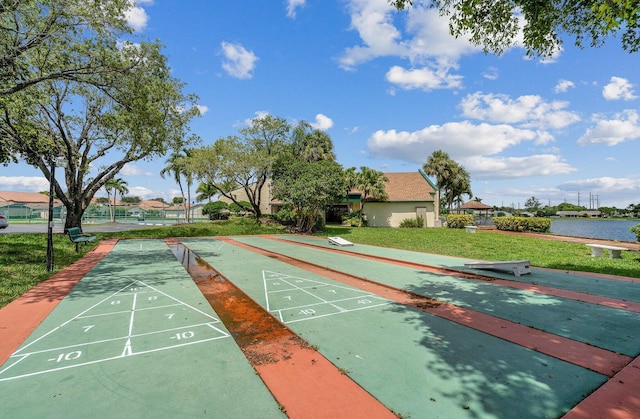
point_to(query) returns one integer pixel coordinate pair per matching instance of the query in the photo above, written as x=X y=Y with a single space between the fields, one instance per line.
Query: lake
x=595 y=229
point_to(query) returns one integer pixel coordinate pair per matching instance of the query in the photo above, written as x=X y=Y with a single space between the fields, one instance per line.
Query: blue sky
x=391 y=87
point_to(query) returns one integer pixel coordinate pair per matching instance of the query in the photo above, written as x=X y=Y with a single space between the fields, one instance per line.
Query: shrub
x=286 y=217
x=412 y=223
x=216 y=210
x=534 y=224
x=353 y=219
x=459 y=220
x=243 y=208
x=636 y=231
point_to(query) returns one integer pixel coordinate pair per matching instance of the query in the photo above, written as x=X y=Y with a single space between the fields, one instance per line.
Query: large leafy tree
x=243 y=162
x=59 y=40
x=307 y=187
x=140 y=116
x=497 y=24
x=306 y=176
x=453 y=180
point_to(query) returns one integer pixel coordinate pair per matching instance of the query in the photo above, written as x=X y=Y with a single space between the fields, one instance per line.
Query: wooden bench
x=470 y=229
x=76 y=236
x=597 y=250
x=519 y=267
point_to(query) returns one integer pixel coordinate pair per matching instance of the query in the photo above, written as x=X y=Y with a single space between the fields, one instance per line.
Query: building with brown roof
x=28 y=205
x=409 y=195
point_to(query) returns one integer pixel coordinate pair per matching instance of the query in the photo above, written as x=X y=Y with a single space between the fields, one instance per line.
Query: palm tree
x=371 y=183
x=206 y=191
x=452 y=179
x=177 y=165
x=312 y=144
x=115 y=185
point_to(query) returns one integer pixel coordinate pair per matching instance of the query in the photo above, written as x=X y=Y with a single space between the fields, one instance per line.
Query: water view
x=595 y=229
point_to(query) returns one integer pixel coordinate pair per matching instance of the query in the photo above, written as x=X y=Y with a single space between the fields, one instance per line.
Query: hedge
x=459 y=220
x=535 y=224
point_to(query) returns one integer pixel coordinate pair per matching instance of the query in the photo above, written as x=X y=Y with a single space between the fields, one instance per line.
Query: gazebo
x=474 y=207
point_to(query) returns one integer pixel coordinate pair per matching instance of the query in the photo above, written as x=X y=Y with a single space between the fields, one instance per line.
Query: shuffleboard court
x=417 y=364
x=134 y=338
x=621 y=288
x=604 y=327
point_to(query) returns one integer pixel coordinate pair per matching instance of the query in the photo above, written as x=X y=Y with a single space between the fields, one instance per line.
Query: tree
x=532 y=203
x=44 y=40
x=307 y=188
x=205 y=191
x=306 y=177
x=244 y=162
x=114 y=186
x=60 y=40
x=371 y=183
x=311 y=145
x=178 y=166
x=133 y=200
x=215 y=210
x=496 y=25
x=459 y=185
x=142 y=116
x=452 y=179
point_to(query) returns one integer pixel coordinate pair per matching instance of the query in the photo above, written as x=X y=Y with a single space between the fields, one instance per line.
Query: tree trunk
x=74 y=215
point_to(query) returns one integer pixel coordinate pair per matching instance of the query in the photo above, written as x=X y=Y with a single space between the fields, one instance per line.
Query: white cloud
x=24 y=183
x=130 y=169
x=623 y=127
x=292 y=5
x=606 y=185
x=203 y=109
x=432 y=38
x=423 y=78
x=492 y=73
x=527 y=111
x=136 y=16
x=239 y=62
x=373 y=21
x=258 y=115
x=516 y=167
x=322 y=123
x=618 y=89
x=460 y=139
x=563 y=85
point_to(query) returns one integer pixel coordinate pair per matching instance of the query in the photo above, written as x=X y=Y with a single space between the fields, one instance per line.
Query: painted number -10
x=68 y=356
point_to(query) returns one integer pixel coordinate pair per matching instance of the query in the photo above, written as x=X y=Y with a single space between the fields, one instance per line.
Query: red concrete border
x=19 y=318
x=618 y=398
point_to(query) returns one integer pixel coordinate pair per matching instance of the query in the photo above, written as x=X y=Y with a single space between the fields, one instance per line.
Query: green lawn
x=23 y=256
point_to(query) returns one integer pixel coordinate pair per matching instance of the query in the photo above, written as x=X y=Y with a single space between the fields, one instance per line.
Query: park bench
x=597 y=250
x=518 y=267
x=76 y=236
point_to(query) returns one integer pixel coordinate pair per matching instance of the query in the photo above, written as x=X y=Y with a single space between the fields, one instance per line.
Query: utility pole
x=60 y=161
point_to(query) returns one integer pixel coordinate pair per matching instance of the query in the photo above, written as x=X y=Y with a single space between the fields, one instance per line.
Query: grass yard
x=23 y=256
